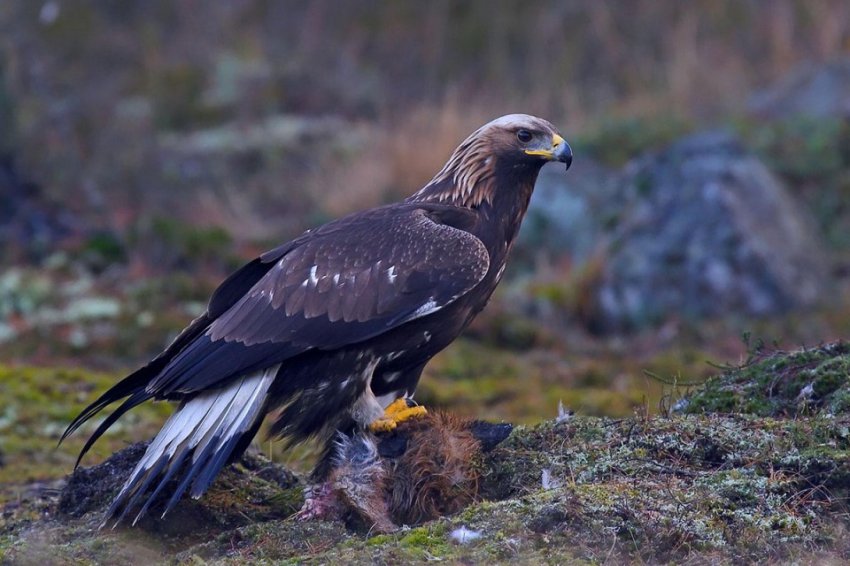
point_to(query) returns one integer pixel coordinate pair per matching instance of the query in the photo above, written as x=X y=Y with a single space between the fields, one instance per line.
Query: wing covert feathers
x=372 y=271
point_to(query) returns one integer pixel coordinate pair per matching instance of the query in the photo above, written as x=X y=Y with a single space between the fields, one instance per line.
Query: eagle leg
x=396 y=412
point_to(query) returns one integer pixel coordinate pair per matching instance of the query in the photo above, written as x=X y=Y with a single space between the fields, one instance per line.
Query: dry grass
x=399 y=157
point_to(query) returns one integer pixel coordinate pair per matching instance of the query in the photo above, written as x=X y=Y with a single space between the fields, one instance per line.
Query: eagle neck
x=511 y=194
x=483 y=183
x=467 y=177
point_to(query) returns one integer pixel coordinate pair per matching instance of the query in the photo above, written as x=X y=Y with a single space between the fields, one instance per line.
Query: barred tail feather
x=195 y=443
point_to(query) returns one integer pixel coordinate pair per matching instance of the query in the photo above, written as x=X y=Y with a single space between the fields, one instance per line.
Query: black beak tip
x=567 y=155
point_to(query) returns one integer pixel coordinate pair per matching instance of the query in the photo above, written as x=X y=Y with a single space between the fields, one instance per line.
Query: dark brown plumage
x=327 y=330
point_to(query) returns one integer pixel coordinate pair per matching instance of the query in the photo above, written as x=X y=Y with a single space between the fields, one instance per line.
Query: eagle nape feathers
x=325 y=332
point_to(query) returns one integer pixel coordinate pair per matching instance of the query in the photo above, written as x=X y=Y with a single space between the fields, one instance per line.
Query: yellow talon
x=396 y=406
x=409 y=413
x=396 y=412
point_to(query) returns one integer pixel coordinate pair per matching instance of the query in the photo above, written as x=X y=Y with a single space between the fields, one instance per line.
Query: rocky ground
x=752 y=467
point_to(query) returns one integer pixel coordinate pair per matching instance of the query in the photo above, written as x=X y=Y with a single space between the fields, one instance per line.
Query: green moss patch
x=774 y=383
x=36 y=406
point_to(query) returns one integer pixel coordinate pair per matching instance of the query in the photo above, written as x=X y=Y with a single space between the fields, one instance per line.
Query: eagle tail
x=132 y=387
x=194 y=444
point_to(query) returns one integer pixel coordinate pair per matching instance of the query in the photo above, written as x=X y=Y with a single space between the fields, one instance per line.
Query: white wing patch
x=427 y=308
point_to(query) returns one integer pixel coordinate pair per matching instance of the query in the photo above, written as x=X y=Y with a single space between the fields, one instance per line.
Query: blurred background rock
x=147 y=148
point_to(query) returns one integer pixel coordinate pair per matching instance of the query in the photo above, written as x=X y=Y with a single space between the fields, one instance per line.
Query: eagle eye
x=524 y=136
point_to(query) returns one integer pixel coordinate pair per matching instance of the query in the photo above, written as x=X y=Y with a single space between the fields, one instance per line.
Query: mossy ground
x=36 y=404
x=687 y=488
x=775 y=383
x=698 y=488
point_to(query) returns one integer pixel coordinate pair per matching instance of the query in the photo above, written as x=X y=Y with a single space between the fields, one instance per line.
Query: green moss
x=380 y=540
x=38 y=403
x=424 y=541
x=719 y=402
x=831 y=375
x=780 y=383
x=839 y=402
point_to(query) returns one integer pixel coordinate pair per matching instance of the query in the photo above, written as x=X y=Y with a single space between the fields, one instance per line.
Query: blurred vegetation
x=615 y=142
x=813 y=155
x=90 y=89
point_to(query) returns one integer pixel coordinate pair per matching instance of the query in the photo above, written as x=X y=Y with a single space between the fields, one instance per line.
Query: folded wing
x=347 y=282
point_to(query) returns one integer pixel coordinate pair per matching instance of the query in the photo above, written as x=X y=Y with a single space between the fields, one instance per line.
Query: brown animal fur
x=437 y=474
x=426 y=468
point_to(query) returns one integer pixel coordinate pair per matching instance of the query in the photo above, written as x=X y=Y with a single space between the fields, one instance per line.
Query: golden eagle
x=330 y=332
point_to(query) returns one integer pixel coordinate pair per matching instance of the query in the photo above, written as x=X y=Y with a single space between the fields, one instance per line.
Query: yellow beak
x=560 y=151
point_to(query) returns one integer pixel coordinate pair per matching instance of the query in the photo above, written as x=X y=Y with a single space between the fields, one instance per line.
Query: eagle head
x=508 y=150
x=524 y=139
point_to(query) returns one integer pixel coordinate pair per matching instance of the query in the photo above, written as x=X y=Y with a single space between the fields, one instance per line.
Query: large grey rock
x=568 y=212
x=707 y=230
